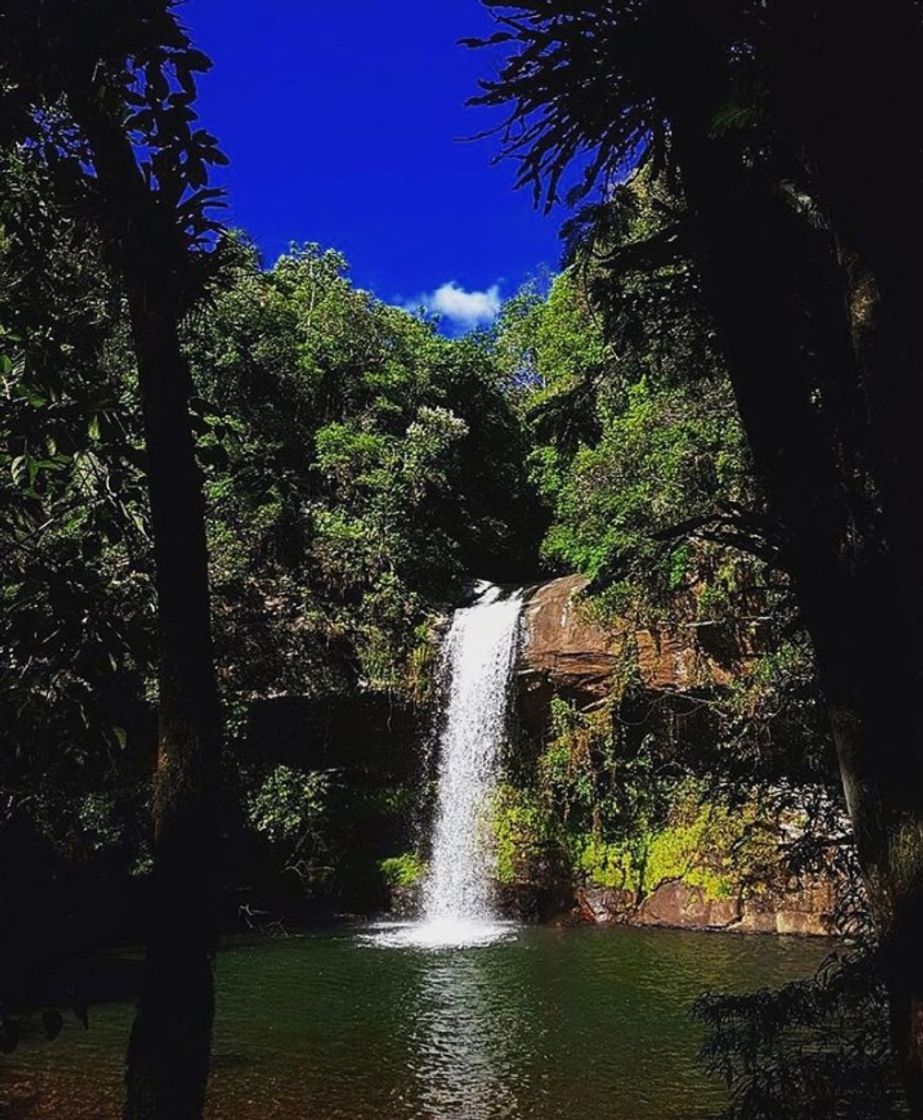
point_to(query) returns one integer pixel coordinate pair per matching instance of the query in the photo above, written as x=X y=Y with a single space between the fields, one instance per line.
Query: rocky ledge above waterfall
x=564 y=652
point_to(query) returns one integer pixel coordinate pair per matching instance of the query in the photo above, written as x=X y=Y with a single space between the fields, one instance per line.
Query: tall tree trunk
x=848 y=72
x=169 y=1050
x=850 y=580
x=168 y=1053
x=804 y=403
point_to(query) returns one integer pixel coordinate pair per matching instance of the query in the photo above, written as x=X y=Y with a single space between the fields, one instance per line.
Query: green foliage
x=592 y=777
x=96 y=814
x=288 y=804
x=721 y=849
x=549 y=341
x=404 y=870
x=703 y=845
x=613 y=811
x=634 y=424
x=520 y=829
x=567 y=771
x=816 y=1047
x=288 y=809
x=76 y=624
x=620 y=813
x=369 y=465
x=611 y=865
x=358 y=468
x=640 y=457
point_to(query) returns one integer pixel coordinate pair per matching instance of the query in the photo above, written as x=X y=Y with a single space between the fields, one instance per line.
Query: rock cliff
x=565 y=654
x=800 y=906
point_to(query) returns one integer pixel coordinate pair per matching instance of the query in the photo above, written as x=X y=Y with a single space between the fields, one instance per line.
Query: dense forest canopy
x=227 y=485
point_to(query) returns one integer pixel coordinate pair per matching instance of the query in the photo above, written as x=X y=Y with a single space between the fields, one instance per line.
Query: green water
x=552 y=1023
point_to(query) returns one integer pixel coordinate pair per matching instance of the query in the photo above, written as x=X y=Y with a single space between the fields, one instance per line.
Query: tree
x=809 y=270
x=103 y=96
x=360 y=466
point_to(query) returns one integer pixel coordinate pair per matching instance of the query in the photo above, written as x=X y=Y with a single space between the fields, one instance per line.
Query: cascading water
x=479 y=649
x=479 y=655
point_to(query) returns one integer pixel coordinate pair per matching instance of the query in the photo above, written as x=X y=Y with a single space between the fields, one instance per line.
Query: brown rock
x=561 y=647
x=758 y=914
x=603 y=905
x=798 y=908
x=567 y=654
x=684 y=907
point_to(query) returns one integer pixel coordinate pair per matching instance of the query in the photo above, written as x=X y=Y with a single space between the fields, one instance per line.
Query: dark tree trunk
x=849 y=72
x=168 y=1053
x=826 y=378
x=876 y=216
x=169 y=1050
x=858 y=606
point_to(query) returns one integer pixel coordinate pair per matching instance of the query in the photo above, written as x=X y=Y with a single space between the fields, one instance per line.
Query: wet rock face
x=804 y=907
x=534 y=902
x=564 y=653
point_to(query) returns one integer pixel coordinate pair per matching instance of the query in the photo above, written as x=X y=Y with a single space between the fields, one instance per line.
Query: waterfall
x=479 y=655
x=480 y=649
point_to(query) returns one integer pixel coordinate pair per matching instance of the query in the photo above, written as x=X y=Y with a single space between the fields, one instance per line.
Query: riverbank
x=805 y=909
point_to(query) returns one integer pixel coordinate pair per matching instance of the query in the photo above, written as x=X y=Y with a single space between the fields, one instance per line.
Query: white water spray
x=479 y=653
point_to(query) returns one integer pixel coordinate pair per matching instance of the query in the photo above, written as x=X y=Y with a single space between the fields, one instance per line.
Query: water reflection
x=471 y=1037
x=543 y=1025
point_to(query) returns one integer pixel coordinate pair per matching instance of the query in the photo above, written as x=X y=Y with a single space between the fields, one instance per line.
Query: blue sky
x=344 y=122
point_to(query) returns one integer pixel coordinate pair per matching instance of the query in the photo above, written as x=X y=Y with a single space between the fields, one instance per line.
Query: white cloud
x=463 y=309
